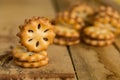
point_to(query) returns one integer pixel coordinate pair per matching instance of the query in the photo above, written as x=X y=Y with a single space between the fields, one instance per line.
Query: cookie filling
x=67 y=38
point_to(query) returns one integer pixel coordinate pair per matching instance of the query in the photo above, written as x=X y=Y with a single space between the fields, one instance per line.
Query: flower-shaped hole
x=46 y=39
x=46 y=30
x=37 y=43
x=39 y=26
x=30 y=40
x=30 y=31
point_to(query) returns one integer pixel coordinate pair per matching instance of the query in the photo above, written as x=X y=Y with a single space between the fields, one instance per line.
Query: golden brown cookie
x=32 y=64
x=108 y=11
x=36 y=34
x=65 y=19
x=21 y=54
x=98 y=43
x=67 y=32
x=114 y=29
x=66 y=36
x=81 y=10
x=109 y=18
x=98 y=33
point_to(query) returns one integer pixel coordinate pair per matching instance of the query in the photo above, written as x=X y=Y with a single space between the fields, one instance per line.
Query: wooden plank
x=12 y=14
x=96 y=63
x=110 y=57
x=91 y=63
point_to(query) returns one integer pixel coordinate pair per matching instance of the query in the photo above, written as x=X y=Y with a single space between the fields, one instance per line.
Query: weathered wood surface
x=12 y=14
x=94 y=63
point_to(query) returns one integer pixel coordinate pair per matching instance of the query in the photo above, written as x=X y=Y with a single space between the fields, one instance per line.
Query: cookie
x=21 y=54
x=109 y=18
x=81 y=10
x=115 y=30
x=98 y=43
x=32 y=64
x=109 y=11
x=98 y=33
x=66 y=36
x=36 y=34
x=65 y=19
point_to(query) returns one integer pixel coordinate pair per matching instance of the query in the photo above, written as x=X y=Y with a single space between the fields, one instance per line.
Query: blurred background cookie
x=98 y=36
x=65 y=19
x=66 y=36
x=81 y=10
x=109 y=18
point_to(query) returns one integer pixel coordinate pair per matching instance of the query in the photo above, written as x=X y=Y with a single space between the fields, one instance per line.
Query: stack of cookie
x=97 y=36
x=66 y=36
x=67 y=29
x=109 y=18
x=36 y=34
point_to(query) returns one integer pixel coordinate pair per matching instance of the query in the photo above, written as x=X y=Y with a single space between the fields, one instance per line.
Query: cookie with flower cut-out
x=36 y=34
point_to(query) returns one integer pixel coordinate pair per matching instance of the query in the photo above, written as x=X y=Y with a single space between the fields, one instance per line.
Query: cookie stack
x=66 y=36
x=97 y=36
x=67 y=29
x=36 y=34
x=109 y=18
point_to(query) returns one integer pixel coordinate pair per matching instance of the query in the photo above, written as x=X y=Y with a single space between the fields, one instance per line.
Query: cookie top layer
x=66 y=19
x=81 y=10
x=66 y=32
x=36 y=34
x=20 y=53
x=98 y=33
x=108 y=11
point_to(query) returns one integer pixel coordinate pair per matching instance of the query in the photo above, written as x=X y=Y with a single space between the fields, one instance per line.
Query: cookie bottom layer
x=64 y=42
x=32 y=64
x=98 y=42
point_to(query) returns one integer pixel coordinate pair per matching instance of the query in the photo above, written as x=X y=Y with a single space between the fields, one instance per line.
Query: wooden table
x=78 y=62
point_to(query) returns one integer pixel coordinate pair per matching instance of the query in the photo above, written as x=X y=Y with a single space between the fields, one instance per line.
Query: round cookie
x=32 y=64
x=108 y=11
x=109 y=18
x=115 y=29
x=98 y=33
x=98 y=43
x=36 y=34
x=21 y=54
x=67 y=32
x=66 y=36
x=81 y=10
x=65 y=19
